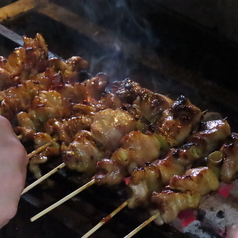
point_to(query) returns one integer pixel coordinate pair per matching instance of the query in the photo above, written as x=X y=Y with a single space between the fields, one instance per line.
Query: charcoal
x=218 y=212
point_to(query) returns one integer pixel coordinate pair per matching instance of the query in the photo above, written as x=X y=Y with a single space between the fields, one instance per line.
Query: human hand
x=233 y=231
x=13 y=161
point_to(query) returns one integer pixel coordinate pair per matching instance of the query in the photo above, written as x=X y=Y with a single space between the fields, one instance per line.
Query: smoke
x=127 y=34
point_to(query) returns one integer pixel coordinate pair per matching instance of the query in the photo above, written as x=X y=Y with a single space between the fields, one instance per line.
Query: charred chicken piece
x=212 y=134
x=109 y=100
x=143 y=182
x=188 y=190
x=109 y=126
x=202 y=180
x=90 y=93
x=169 y=203
x=82 y=154
x=127 y=90
x=36 y=54
x=46 y=105
x=152 y=105
x=109 y=172
x=178 y=121
x=66 y=72
x=66 y=129
x=135 y=150
x=210 y=137
x=152 y=177
x=95 y=86
x=75 y=92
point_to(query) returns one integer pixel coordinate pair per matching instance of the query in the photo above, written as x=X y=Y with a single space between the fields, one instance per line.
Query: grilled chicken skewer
x=189 y=188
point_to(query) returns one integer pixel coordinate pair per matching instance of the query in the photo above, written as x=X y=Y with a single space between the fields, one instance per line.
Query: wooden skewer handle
x=145 y=223
x=38 y=150
x=105 y=220
x=63 y=200
x=43 y=178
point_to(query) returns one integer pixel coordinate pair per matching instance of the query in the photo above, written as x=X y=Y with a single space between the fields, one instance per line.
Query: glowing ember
x=225 y=189
x=127 y=180
x=186 y=217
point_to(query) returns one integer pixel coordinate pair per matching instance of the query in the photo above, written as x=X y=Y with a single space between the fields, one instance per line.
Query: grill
x=154 y=46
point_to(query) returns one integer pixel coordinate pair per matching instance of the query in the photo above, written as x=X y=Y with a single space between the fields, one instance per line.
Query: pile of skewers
x=129 y=132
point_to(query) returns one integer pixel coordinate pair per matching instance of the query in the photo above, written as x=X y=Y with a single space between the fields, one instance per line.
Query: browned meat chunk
x=178 y=121
x=109 y=126
x=82 y=154
x=136 y=149
x=66 y=129
x=189 y=189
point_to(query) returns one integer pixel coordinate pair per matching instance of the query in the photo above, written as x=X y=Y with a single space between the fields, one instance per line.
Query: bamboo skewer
x=90 y=183
x=43 y=178
x=105 y=220
x=38 y=150
x=141 y=226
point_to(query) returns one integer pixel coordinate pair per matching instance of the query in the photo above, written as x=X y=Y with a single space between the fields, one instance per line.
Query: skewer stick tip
x=105 y=220
x=141 y=226
x=41 y=148
x=62 y=165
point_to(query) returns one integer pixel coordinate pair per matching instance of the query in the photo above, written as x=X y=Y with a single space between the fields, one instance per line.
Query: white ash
x=218 y=213
x=196 y=230
x=234 y=190
x=176 y=223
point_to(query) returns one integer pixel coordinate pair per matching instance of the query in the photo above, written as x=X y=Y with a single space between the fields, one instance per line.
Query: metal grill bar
x=15 y=9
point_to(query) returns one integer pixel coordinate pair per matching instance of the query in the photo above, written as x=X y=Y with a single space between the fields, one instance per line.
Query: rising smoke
x=127 y=33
